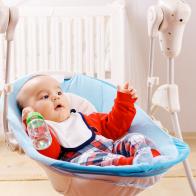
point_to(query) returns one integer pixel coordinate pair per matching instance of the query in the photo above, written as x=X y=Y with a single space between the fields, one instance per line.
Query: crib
x=72 y=39
x=65 y=42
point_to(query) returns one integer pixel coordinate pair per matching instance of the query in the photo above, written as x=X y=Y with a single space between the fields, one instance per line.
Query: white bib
x=73 y=132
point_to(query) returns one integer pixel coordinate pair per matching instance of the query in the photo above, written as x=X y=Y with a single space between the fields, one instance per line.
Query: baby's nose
x=55 y=97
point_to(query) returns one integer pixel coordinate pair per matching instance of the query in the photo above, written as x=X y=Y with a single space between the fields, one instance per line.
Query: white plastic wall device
x=166 y=96
x=176 y=15
x=167 y=20
x=8 y=21
x=13 y=20
x=155 y=18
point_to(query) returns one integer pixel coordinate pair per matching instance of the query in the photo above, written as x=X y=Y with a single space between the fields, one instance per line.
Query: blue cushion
x=101 y=94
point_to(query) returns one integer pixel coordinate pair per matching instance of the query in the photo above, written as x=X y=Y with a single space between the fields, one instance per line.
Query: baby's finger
x=24 y=116
x=132 y=91
x=126 y=85
x=134 y=96
x=26 y=111
x=131 y=88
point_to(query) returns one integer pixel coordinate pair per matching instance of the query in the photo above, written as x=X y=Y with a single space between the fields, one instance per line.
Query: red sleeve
x=53 y=151
x=117 y=122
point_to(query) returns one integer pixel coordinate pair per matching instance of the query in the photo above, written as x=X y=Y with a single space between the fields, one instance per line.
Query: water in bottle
x=38 y=131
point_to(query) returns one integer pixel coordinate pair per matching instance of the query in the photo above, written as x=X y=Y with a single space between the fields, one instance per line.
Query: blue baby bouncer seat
x=73 y=179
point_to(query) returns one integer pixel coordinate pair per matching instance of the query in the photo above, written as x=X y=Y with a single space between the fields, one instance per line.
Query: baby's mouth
x=59 y=106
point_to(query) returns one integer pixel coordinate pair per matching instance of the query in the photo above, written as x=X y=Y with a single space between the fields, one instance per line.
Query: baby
x=97 y=139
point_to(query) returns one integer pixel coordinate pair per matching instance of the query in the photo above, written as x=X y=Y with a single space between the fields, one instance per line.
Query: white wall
x=138 y=53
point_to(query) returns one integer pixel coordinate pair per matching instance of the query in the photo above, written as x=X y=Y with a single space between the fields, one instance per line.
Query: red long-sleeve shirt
x=116 y=123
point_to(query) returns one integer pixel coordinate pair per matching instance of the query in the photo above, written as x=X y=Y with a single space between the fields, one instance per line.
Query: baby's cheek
x=43 y=109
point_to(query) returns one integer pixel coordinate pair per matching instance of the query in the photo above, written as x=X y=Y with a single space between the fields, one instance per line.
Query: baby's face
x=44 y=95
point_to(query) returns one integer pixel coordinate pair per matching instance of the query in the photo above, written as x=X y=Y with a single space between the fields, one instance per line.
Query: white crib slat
x=37 y=41
x=77 y=36
x=90 y=50
x=21 y=48
x=74 y=39
x=42 y=58
x=97 y=46
x=87 y=44
x=41 y=43
x=91 y=47
x=107 y=44
x=51 y=42
x=68 y=42
x=32 y=44
x=28 y=45
x=45 y=43
x=25 y=38
x=56 y=43
x=80 y=45
x=61 y=42
x=48 y=41
x=63 y=48
x=100 y=46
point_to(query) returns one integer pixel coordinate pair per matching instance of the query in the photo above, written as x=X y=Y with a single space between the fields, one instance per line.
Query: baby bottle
x=38 y=131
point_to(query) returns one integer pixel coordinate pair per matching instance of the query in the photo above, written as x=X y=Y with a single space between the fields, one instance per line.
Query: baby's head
x=43 y=93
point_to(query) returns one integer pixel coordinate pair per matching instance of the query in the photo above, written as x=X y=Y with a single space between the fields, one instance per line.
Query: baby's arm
x=53 y=151
x=117 y=122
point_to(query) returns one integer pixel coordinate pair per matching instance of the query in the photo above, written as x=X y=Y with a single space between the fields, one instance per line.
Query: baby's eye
x=45 y=97
x=59 y=93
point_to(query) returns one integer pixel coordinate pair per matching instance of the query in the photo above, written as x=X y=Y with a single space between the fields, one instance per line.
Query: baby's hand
x=128 y=90
x=25 y=112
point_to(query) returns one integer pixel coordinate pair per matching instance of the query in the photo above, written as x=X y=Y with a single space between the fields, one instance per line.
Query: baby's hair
x=18 y=101
x=19 y=104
